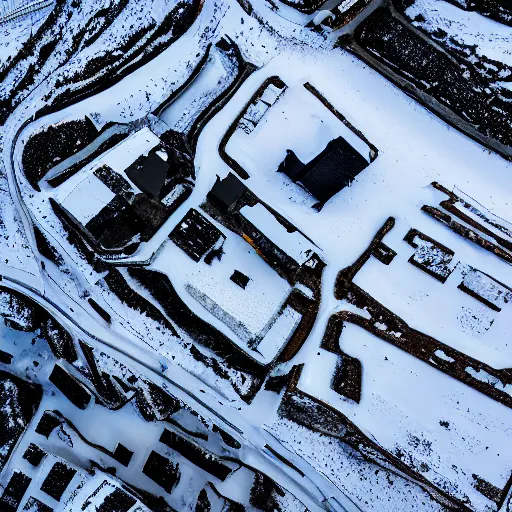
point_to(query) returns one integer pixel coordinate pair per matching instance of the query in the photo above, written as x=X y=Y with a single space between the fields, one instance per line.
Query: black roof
x=48 y=423
x=70 y=387
x=195 y=235
x=201 y=458
x=240 y=279
x=14 y=492
x=292 y=166
x=34 y=455
x=162 y=471
x=117 y=501
x=329 y=172
x=57 y=480
x=122 y=454
x=149 y=174
x=114 y=181
x=5 y=357
x=225 y=193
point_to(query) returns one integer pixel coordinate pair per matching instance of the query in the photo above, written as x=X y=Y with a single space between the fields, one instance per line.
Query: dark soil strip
x=467 y=233
x=55 y=28
x=179 y=20
x=233 y=357
x=46 y=249
x=374 y=152
x=39 y=320
x=109 y=394
x=119 y=287
x=31 y=44
x=348 y=273
x=311 y=278
x=497 y=10
x=417 y=344
x=487 y=70
x=450 y=206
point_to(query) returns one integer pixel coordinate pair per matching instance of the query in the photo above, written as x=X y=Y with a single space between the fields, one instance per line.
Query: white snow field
x=448 y=437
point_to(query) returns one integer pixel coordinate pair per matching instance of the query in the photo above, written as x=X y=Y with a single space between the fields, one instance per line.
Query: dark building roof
x=114 y=181
x=292 y=166
x=162 y=471
x=225 y=193
x=114 y=210
x=195 y=454
x=34 y=455
x=70 y=387
x=240 y=279
x=99 y=310
x=48 y=423
x=195 y=235
x=122 y=454
x=14 y=492
x=119 y=224
x=57 y=480
x=329 y=172
x=5 y=357
x=149 y=174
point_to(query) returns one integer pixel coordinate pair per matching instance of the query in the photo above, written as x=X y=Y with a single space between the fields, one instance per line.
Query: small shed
x=225 y=193
x=34 y=455
x=195 y=235
x=122 y=454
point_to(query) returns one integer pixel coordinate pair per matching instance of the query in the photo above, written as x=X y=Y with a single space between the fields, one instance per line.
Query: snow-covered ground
x=439 y=427
x=305 y=127
x=251 y=307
